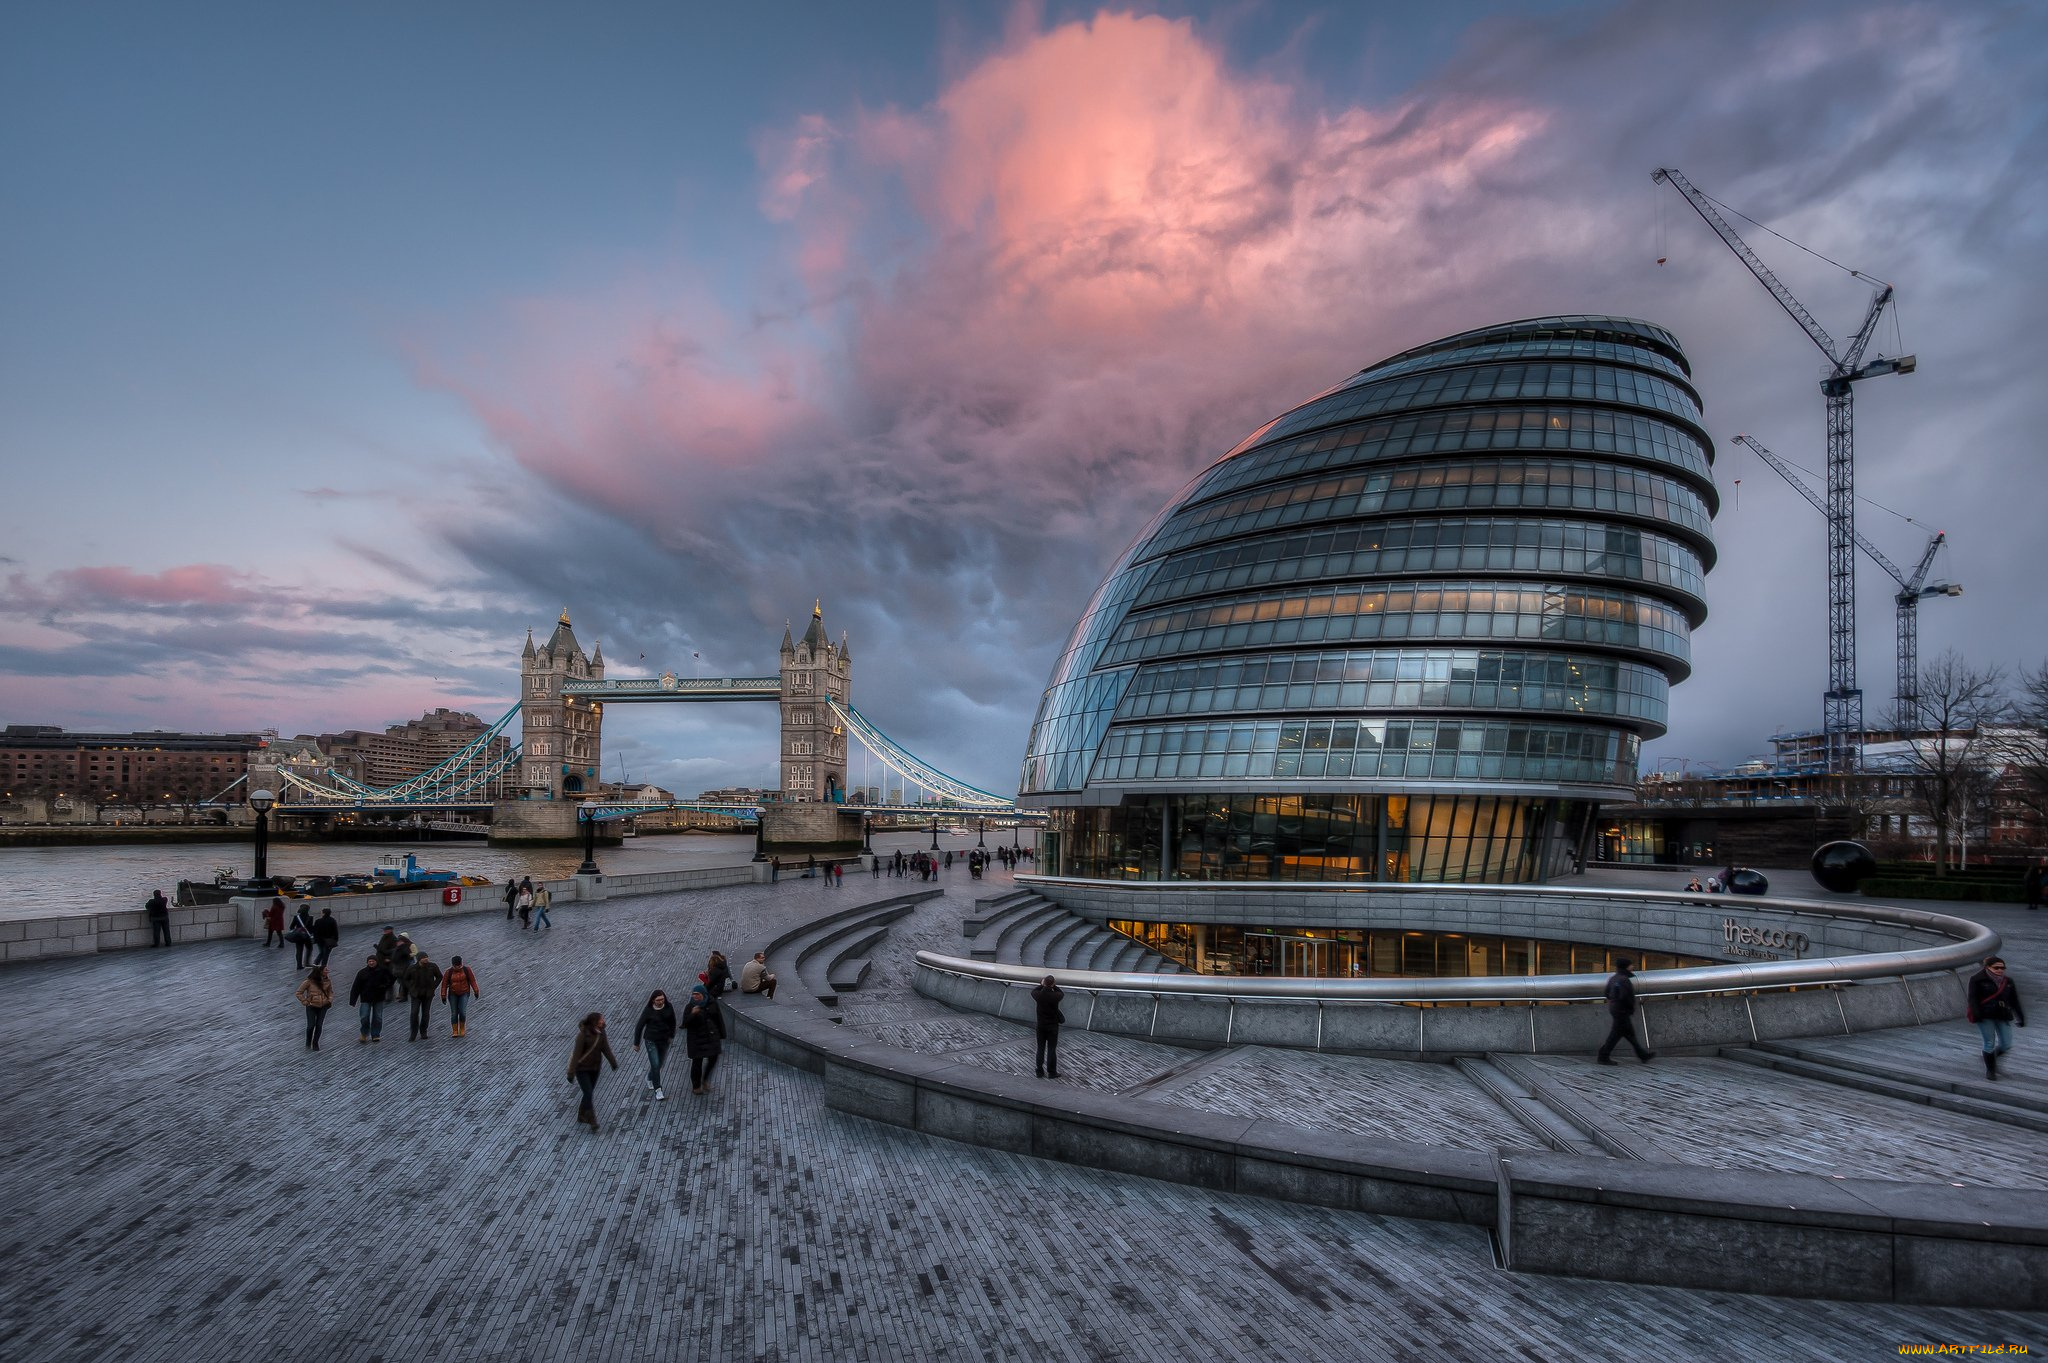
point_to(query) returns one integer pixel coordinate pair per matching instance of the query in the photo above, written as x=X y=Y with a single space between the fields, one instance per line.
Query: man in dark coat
x=511 y=898
x=2036 y=874
x=1047 y=996
x=326 y=932
x=371 y=985
x=421 y=982
x=1621 y=1007
x=159 y=911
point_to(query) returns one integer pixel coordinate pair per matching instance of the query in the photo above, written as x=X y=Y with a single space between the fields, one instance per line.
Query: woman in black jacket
x=657 y=1027
x=717 y=974
x=586 y=1061
x=1994 y=1003
x=706 y=1035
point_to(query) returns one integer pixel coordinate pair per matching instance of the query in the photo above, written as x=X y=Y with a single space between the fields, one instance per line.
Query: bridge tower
x=561 y=736
x=815 y=672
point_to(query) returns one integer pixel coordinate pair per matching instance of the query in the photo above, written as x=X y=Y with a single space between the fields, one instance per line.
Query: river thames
x=112 y=878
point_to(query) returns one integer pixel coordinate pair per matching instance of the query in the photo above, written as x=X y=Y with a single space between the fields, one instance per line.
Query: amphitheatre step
x=1052 y=950
x=1002 y=920
x=992 y=909
x=1081 y=950
x=1601 y=1132
x=1010 y=945
x=1031 y=947
x=847 y=976
x=1907 y=1090
x=1516 y=1098
x=2013 y=1092
x=814 y=948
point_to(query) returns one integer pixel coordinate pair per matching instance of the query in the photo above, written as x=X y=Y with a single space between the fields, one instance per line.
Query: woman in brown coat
x=316 y=991
x=586 y=1062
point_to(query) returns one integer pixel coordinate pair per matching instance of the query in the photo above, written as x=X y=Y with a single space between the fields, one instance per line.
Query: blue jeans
x=458 y=1008
x=540 y=914
x=371 y=1017
x=1997 y=1036
x=657 y=1052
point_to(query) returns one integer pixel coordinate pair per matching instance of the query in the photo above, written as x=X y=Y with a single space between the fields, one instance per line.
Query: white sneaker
x=659 y=1095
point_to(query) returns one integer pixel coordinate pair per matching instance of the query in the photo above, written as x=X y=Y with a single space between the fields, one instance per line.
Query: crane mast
x=1912 y=589
x=1843 y=701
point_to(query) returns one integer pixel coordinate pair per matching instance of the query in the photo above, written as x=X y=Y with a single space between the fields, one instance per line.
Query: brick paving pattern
x=184 y=1181
x=1716 y=1112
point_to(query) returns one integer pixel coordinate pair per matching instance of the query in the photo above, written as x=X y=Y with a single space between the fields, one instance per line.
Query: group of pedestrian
x=530 y=902
x=655 y=1031
x=923 y=865
x=394 y=971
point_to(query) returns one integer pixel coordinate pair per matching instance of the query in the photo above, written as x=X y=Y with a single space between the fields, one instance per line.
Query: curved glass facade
x=1416 y=628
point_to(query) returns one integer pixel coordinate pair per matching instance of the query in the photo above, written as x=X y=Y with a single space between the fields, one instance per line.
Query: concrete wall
x=1687 y=1022
x=82 y=934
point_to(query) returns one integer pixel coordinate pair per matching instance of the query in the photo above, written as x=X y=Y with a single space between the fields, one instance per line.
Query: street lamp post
x=867 y=833
x=935 y=832
x=981 y=832
x=589 y=866
x=262 y=801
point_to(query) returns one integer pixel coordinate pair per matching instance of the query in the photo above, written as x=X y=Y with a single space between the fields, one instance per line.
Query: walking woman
x=657 y=1026
x=706 y=1035
x=273 y=923
x=300 y=935
x=316 y=991
x=525 y=902
x=586 y=1061
x=1994 y=1003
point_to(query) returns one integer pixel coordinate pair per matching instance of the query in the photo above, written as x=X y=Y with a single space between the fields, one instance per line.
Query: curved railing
x=1966 y=945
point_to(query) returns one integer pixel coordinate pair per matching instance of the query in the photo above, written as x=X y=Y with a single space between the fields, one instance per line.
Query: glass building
x=1414 y=629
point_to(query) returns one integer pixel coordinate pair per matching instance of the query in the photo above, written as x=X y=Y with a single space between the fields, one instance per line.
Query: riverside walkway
x=182 y=1177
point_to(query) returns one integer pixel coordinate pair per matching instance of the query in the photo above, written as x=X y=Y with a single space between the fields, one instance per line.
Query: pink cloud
x=194 y=584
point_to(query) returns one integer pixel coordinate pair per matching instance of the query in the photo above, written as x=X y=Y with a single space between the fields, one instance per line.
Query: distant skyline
x=343 y=346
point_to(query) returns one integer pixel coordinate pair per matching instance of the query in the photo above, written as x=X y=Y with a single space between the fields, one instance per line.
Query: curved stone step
x=1009 y=946
x=1082 y=949
x=815 y=951
x=1053 y=948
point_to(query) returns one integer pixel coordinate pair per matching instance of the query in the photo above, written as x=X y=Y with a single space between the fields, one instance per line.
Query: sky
x=342 y=345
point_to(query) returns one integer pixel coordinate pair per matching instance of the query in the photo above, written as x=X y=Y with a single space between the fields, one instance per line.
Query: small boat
x=406 y=870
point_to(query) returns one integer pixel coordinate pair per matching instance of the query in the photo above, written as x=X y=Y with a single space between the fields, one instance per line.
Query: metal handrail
x=1968 y=944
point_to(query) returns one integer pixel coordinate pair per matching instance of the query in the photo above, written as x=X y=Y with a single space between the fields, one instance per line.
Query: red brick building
x=152 y=768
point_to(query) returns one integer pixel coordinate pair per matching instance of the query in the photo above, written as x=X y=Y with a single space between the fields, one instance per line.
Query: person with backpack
x=542 y=897
x=326 y=935
x=421 y=982
x=1994 y=1005
x=316 y=992
x=300 y=935
x=656 y=1027
x=458 y=987
x=367 y=993
x=587 y=1055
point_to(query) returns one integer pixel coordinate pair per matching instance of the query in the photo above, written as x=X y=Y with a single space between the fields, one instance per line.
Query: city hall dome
x=1415 y=628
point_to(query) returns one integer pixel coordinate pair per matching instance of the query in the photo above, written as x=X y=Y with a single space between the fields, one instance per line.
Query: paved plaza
x=184 y=1181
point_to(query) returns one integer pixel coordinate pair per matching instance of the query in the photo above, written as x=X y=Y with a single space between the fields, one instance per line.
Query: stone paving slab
x=1729 y=1116
x=1397 y=1100
x=183 y=1180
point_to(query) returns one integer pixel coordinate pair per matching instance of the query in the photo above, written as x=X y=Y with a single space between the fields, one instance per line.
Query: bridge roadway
x=183 y=1179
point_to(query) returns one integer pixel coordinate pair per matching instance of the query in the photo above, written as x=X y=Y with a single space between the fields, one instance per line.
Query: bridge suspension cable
x=911 y=767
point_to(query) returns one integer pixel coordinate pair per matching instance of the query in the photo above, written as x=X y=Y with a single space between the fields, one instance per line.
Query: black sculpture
x=1843 y=866
x=1742 y=880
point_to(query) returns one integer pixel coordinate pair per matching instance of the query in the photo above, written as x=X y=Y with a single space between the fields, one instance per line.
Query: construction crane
x=1913 y=588
x=1843 y=704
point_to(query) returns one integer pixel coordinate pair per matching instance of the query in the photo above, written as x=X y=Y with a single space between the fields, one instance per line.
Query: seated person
x=755 y=978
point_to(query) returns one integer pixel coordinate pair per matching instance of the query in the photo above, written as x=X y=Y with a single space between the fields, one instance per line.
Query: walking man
x=326 y=932
x=1994 y=1004
x=542 y=897
x=424 y=979
x=159 y=910
x=458 y=987
x=511 y=898
x=1047 y=996
x=372 y=983
x=1621 y=1007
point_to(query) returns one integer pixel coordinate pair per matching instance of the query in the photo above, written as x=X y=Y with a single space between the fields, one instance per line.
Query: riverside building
x=1415 y=629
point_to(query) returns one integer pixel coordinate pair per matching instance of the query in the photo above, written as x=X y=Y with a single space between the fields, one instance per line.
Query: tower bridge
x=544 y=787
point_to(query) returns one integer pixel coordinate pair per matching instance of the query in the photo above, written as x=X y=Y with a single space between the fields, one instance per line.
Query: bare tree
x=1952 y=752
x=2026 y=783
